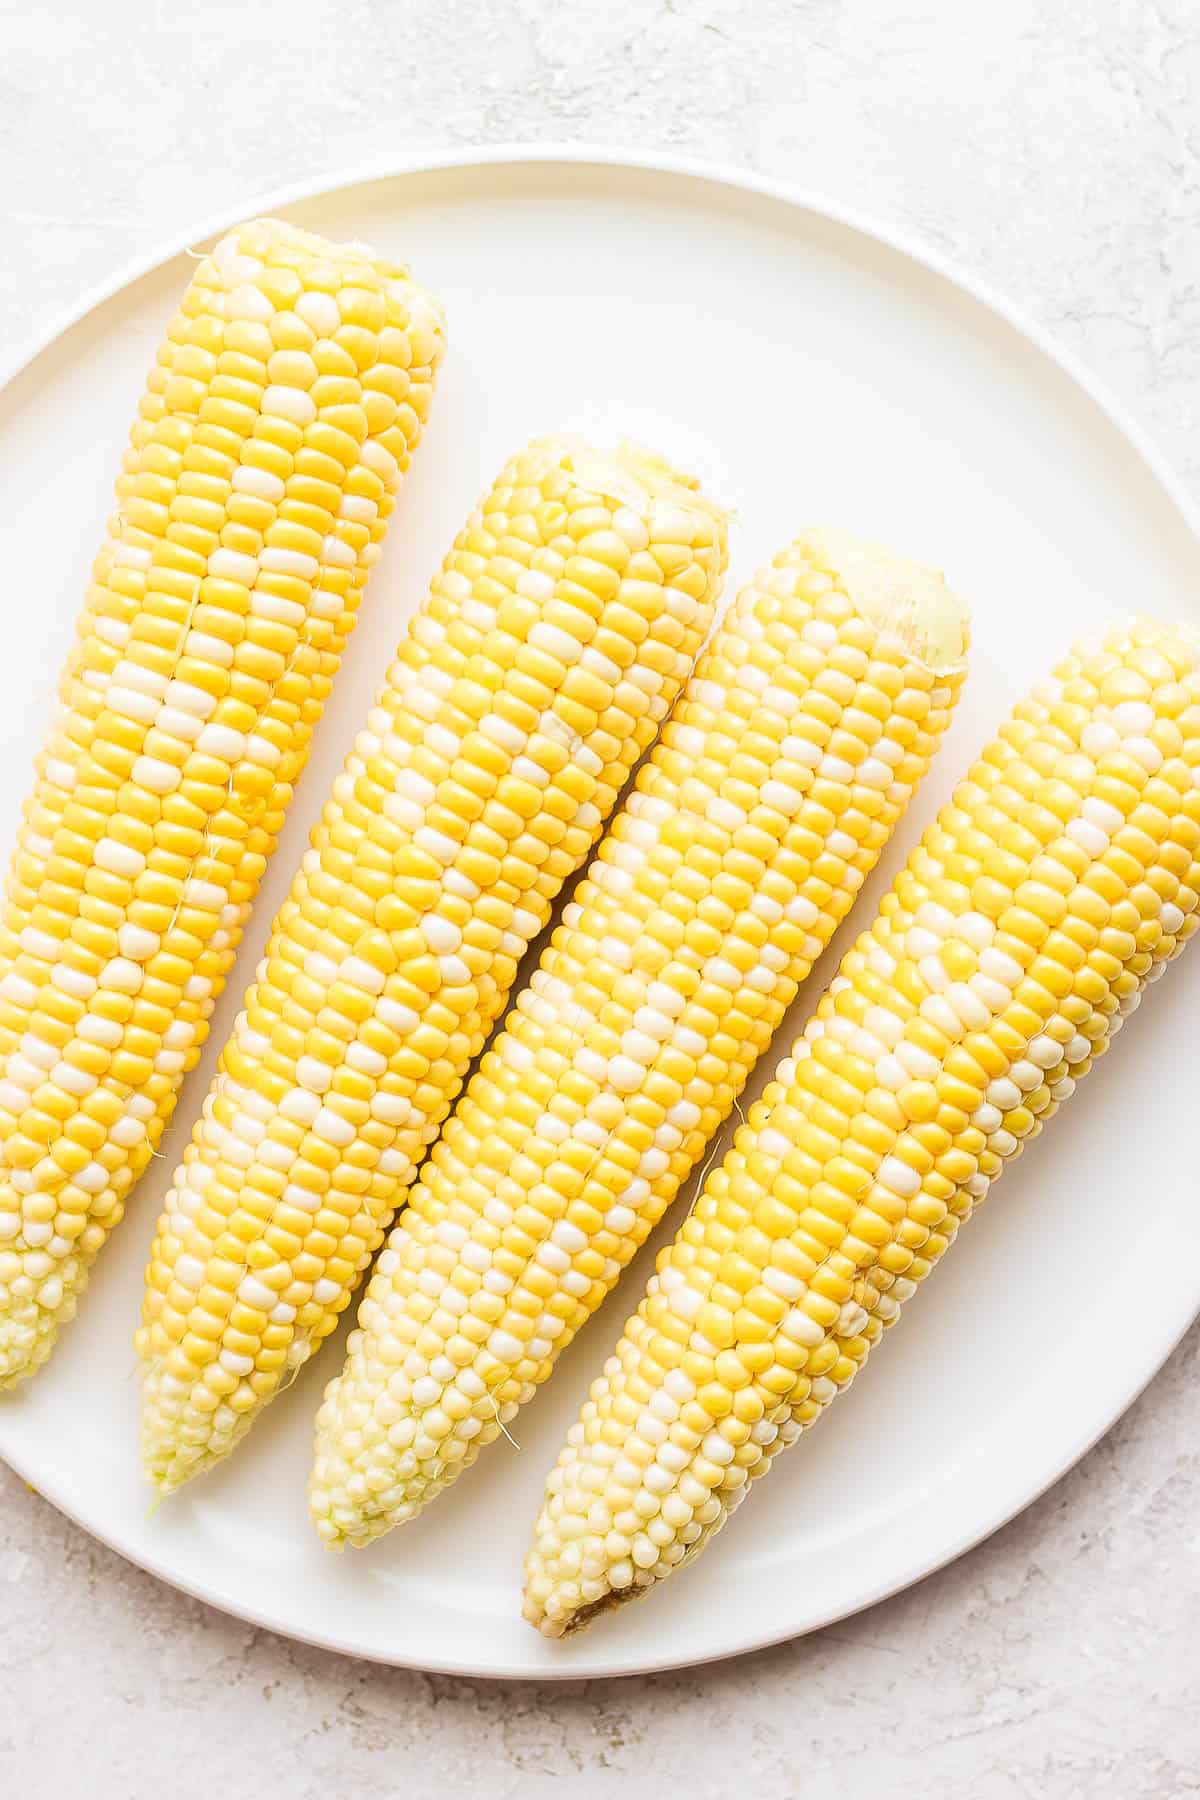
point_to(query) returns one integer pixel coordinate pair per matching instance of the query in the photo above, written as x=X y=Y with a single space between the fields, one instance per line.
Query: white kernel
x=122 y=976
x=301 y=1106
x=260 y=482
x=820 y=633
x=191 y=699
x=179 y=724
x=1002 y=968
x=938 y=1011
x=443 y=849
x=625 y=1075
x=508 y=736
x=398 y=1018
x=130 y=705
x=1144 y=751
x=320 y=312
x=391 y=1109
x=221 y=741
x=291 y=403
x=990 y=993
x=665 y=999
x=976 y=929
x=136 y=943
x=873 y=773
x=366 y=1061
x=233 y=565
x=40 y=944
x=779 y=700
x=684 y=1115
x=96 y=1030
x=788 y=1287
x=331 y=1126
x=313 y=1074
x=782 y=796
x=1089 y=837
x=1133 y=718
x=933 y=974
x=281 y=561
x=155 y=775
x=1098 y=738
x=255 y=1293
x=361 y=974
x=205 y=896
x=119 y=859
x=724 y=814
x=801 y=750
x=190 y=1272
x=895 y=1174
x=968 y=1006
x=505 y=1347
x=801 y=911
x=442 y=935
x=554 y=1259
x=801 y=1329
x=884 y=1025
x=568 y=1237
x=1100 y=813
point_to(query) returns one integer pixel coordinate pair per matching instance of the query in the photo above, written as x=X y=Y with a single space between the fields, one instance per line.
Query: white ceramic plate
x=814 y=371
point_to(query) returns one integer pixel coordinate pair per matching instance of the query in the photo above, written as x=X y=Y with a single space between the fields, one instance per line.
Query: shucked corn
x=763 y=807
x=1059 y=880
x=276 y=425
x=553 y=643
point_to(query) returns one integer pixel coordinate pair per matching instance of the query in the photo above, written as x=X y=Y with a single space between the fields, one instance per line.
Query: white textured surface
x=1050 y=147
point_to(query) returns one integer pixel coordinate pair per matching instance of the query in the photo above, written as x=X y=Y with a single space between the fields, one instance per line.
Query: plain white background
x=1051 y=148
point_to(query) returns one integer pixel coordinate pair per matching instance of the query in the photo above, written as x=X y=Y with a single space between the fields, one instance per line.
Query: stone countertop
x=1050 y=146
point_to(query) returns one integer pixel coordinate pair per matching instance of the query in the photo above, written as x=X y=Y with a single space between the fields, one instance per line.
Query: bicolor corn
x=551 y=647
x=280 y=416
x=1061 y=878
x=777 y=782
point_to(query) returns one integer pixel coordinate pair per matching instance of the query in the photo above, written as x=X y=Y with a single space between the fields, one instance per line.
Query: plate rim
x=900 y=240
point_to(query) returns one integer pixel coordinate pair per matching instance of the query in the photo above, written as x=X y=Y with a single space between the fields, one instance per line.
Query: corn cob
x=1059 y=880
x=558 y=634
x=762 y=809
x=277 y=422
